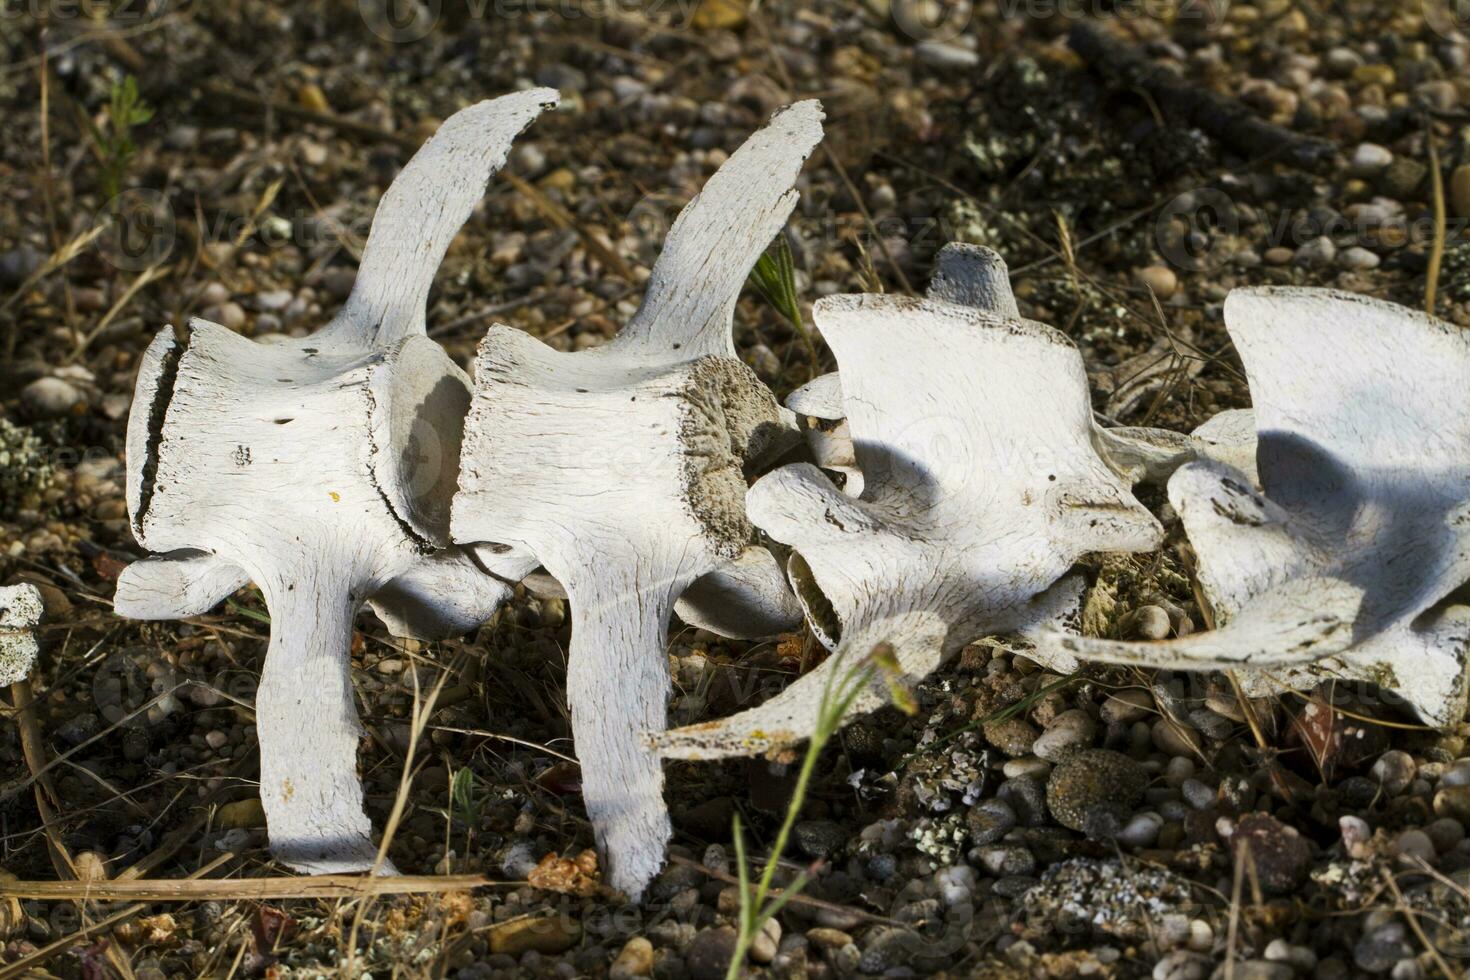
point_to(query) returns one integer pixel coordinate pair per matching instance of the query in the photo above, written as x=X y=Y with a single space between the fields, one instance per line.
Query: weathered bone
x=972 y=275
x=20 y=614
x=622 y=469
x=981 y=488
x=1347 y=563
x=322 y=470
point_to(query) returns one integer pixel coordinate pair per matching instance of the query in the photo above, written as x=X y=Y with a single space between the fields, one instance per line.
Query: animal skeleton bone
x=322 y=470
x=20 y=613
x=1351 y=560
x=981 y=487
x=972 y=275
x=622 y=469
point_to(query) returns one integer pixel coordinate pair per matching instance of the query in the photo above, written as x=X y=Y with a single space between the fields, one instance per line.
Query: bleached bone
x=322 y=470
x=981 y=489
x=972 y=275
x=743 y=598
x=20 y=614
x=1346 y=564
x=622 y=469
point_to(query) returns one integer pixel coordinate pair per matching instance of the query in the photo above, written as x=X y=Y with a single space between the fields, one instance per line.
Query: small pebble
x=1068 y=732
x=989 y=821
x=635 y=960
x=1394 y=771
x=1369 y=160
x=709 y=955
x=1159 y=278
x=1316 y=253
x=1453 y=801
x=1460 y=190
x=1414 y=846
x=1279 y=853
x=1175 y=737
x=1128 y=705
x=945 y=56
x=1357 y=257
x=231 y=315
x=1145 y=623
x=50 y=398
x=1142 y=830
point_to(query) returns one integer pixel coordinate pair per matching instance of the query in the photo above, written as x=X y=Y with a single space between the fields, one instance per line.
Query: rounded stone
x=1280 y=854
x=1068 y=732
x=50 y=398
x=709 y=955
x=1014 y=736
x=1159 y=278
x=636 y=960
x=1091 y=778
x=989 y=821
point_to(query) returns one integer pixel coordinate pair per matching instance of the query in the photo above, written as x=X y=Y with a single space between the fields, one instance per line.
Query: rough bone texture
x=972 y=275
x=322 y=470
x=981 y=487
x=623 y=470
x=1345 y=563
x=20 y=614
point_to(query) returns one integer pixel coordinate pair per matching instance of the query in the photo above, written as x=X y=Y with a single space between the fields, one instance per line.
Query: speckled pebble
x=989 y=821
x=1092 y=778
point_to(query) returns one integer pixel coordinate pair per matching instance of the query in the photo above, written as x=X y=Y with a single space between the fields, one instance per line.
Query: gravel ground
x=1120 y=824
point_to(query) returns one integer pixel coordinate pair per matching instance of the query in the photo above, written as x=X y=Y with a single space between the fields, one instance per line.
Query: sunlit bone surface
x=321 y=470
x=622 y=469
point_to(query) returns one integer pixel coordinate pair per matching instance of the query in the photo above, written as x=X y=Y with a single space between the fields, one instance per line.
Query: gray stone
x=1358 y=257
x=1394 y=771
x=819 y=838
x=1068 y=732
x=989 y=821
x=709 y=955
x=50 y=398
x=1370 y=160
x=1316 y=253
x=949 y=57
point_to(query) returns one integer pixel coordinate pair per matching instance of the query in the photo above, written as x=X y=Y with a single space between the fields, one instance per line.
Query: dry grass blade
x=242 y=889
x=1436 y=250
x=147 y=277
x=59 y=258
x=24 y=966
x=1413 y=921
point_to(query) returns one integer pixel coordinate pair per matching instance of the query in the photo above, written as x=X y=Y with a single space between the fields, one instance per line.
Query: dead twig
x=243 y=889
x=1226 y=119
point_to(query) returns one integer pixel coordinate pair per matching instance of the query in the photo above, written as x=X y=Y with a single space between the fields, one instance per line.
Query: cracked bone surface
x=622 y=469
x=1351 y=560
x=322 y=470
x=20 y=614
x=981 y=487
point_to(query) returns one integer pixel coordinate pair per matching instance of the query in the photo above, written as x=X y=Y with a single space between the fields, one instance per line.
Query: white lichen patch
x=20 y=613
